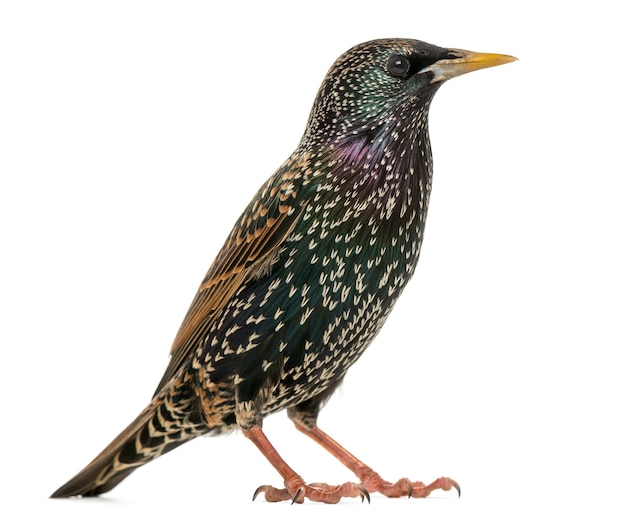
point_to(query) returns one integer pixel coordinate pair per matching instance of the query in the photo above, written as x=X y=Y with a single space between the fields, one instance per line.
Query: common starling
x=307 y=277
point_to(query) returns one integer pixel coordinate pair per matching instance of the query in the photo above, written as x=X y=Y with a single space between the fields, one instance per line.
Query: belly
x=291 y=334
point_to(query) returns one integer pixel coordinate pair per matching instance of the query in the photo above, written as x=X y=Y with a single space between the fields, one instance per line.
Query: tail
x=169 y=421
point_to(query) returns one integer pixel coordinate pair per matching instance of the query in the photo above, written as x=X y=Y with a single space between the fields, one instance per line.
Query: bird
x=306 y=278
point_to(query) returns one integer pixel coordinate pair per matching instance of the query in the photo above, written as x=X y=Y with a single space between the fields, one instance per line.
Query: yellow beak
x=463 y=62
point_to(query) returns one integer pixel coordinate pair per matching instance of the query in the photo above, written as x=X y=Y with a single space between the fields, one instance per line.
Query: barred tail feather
x=160 y=428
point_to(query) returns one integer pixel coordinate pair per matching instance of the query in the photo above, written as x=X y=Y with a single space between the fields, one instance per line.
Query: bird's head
x=384 y=82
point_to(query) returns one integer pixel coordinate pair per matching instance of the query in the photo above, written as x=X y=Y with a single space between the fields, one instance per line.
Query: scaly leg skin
x=368 y=477
x=295 y=488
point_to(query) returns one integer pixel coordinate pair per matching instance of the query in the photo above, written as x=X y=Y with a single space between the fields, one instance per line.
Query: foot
x=296 y=490
x=368 y=477
x=406 y=488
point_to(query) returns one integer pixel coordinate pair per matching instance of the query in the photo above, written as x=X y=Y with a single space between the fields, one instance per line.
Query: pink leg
x=295 y=488
x=371 y=480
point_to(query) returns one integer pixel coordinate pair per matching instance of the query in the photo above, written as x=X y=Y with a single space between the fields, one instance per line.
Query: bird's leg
x=371 y=480
x=295 y=488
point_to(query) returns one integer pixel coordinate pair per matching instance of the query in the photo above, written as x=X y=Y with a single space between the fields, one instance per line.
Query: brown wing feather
x=248 y=252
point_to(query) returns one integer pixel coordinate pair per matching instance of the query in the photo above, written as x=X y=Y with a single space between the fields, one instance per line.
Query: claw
x=260 y=489
x=296 y=496
x=456 y=486
x=365 y=494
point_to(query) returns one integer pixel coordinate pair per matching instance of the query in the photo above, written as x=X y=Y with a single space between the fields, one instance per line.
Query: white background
x=132 y=134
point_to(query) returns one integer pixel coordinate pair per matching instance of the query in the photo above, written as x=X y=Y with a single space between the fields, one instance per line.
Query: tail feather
x=164 y=425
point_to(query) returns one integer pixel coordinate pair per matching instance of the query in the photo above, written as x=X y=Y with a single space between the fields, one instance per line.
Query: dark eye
x=398 y=66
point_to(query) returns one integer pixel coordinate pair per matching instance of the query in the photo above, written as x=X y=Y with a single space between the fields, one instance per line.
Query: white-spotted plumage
x=308 y=275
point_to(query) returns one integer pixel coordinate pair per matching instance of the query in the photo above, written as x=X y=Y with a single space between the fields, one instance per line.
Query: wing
x=250 y=250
